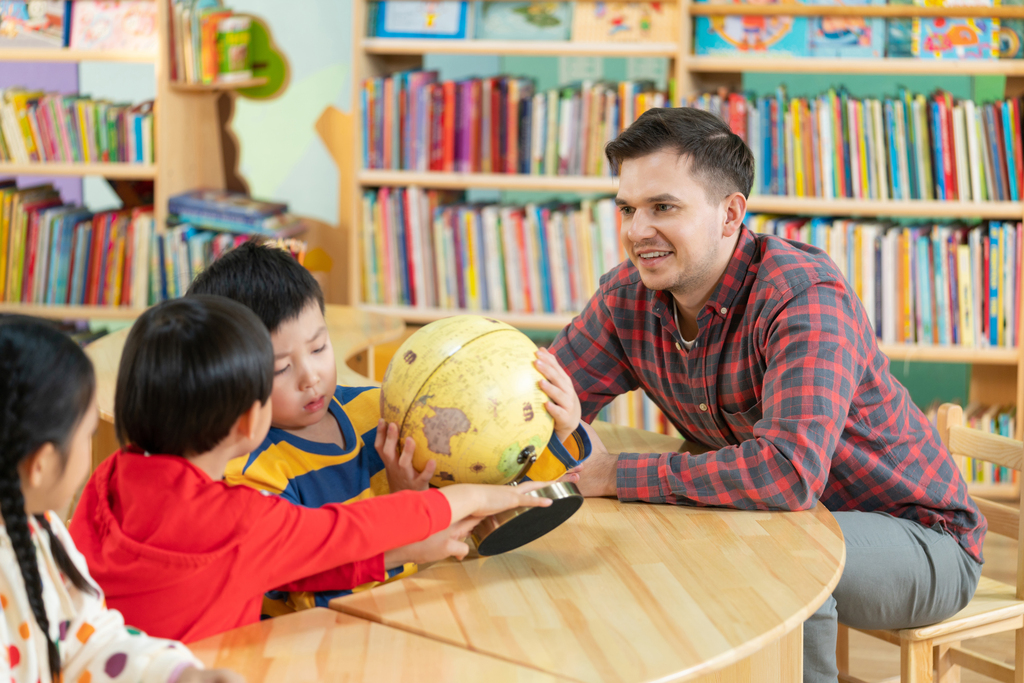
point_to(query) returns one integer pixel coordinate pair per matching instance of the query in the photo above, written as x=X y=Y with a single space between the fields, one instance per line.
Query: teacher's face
x=671 y=231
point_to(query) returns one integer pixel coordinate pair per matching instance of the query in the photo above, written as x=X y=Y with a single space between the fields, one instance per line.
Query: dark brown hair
x=718 y=157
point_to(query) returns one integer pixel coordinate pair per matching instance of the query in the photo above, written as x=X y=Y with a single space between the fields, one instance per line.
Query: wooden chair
x=996 y=607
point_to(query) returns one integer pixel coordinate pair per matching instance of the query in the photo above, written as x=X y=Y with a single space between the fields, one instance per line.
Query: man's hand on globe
x=402 y=476
x=597 y=474
x=564 y=405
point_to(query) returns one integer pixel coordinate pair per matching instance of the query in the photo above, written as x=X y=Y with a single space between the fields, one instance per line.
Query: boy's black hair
x=266 y=279
x=190 y=368
x=46 y=386
x=719 y=158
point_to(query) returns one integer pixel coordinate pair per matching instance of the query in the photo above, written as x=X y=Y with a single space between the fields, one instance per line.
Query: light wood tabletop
x=351 y=330
x=322 y=645
x=632 y=592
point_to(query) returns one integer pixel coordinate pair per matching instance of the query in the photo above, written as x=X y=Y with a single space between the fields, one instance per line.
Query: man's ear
x=735 y=212
x=248 y=422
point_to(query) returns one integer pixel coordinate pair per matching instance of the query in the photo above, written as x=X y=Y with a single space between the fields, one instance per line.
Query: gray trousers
x=898 y=574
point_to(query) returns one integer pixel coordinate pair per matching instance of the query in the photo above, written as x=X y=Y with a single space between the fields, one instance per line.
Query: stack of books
x=994 y=419
x=425 y=248
x=411 y=121
x=208 y=42
x=949 y=285
x=48 y=127
x=55 y=253
x=906 y=147
x=636 y=409
x=225 y=211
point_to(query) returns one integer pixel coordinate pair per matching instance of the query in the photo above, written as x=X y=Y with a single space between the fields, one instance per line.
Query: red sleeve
x=342 y=578
x=287 y=543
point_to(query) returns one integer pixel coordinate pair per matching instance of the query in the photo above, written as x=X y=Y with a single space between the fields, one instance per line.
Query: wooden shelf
x=63 y=54
x=107 y=170
x=219 y=86
x=422 y=316
x=816 y=206
x=1000 y=492
x=411 y=46
x=888 y=11
x=950 y=354
x=73 y=312
x=496 y=181
x=892 y=65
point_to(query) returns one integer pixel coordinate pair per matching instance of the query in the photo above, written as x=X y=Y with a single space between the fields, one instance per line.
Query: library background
x=423 y=159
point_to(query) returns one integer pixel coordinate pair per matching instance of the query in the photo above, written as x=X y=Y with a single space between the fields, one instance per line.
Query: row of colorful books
x=82 y=24
x=584 y=21
x=424 y=248
x=48 y=127
x=948 y=37
x=923 y=284
x=180 y=253
x=56 y=253
x=208 y=42
x=994 y=419
x=635 y=409
x=411 y=121
x=906 y=147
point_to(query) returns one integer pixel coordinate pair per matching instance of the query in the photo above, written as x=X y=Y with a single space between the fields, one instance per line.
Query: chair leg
x=916 y=662
x=843 y=649
x=945 y=670
x=1018 y=659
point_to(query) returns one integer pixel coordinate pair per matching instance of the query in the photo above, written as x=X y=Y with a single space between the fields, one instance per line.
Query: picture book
x=113 y=25
x=899 y=33
x=414 y=19
x=725 y=35
x=36 y=23
x=1011 y=34
x=522 y=20
x=955 y=37
x=225 y=205
x=847 y=36
x=625 y=22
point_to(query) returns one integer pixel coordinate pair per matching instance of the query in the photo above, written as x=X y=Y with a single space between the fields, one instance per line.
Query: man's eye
x=626 y=210
x=663 y=207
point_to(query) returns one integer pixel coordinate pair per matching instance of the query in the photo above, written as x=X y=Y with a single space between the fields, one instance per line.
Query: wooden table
x=352 y=332
x=322 y=645
x=633 y=592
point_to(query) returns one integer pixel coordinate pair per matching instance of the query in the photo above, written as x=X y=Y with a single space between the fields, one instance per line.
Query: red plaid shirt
x=786 y=384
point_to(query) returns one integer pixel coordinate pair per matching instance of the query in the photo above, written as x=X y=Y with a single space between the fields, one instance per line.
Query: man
x=756 y=348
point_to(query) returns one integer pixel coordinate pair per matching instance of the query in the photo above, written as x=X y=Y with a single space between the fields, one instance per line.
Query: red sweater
x=185 y=557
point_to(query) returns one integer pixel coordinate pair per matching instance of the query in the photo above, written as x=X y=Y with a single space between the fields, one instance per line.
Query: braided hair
x=46 y=385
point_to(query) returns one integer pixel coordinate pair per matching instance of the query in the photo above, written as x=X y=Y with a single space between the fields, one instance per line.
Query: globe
x=466 y=390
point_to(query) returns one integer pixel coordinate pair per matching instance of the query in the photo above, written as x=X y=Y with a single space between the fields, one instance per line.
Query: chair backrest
x=965 y=442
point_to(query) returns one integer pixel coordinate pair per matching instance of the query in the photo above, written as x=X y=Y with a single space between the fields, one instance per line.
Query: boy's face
x=305 y=374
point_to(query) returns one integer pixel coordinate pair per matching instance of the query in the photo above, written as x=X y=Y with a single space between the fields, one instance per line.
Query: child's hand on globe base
x=480 y=500
x=402 y=476
x=564 y=405
x=447 y=543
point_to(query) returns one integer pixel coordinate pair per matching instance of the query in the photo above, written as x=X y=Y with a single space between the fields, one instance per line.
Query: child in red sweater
x=184 y=556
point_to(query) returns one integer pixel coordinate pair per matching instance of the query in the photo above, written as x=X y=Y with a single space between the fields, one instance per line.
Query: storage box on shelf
x=998 y=374
x=189 y=139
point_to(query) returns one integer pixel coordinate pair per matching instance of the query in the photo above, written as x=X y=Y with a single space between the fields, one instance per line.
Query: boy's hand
x=446 y=543
x=564 y=405
x=480 y=500
x=402 y=476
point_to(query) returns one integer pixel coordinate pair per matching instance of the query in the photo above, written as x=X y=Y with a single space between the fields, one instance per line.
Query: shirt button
x=678 y=347
x=704 y=407
x=723 y=310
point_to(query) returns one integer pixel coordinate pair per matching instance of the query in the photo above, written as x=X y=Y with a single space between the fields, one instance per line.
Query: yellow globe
x=466 y=390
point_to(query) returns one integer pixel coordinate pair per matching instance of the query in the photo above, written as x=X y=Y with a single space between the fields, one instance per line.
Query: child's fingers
x=558 y=413
x=408 y=450
x=378 y=440
x=457 y=549
x=569 y=477
x=390 y=442
x=461 y=529
x=428 y=471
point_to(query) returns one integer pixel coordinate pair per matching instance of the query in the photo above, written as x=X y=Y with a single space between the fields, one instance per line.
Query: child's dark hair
x=46 y=386
x=189 y=369
x=266 y=279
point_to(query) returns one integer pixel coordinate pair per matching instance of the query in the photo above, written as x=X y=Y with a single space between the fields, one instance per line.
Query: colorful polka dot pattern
x=23 y=630
x=85 y=678
x=115 y=664
x=85 y=632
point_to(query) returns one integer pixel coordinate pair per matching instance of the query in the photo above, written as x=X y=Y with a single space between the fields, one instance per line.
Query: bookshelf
x=997 y=374
x=191 y=138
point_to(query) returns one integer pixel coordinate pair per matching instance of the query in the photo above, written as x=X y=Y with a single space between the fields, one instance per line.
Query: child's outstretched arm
x=402 y=476
x=564 y=405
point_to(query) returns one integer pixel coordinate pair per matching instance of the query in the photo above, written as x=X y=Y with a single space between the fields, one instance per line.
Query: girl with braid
x=54 y=624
